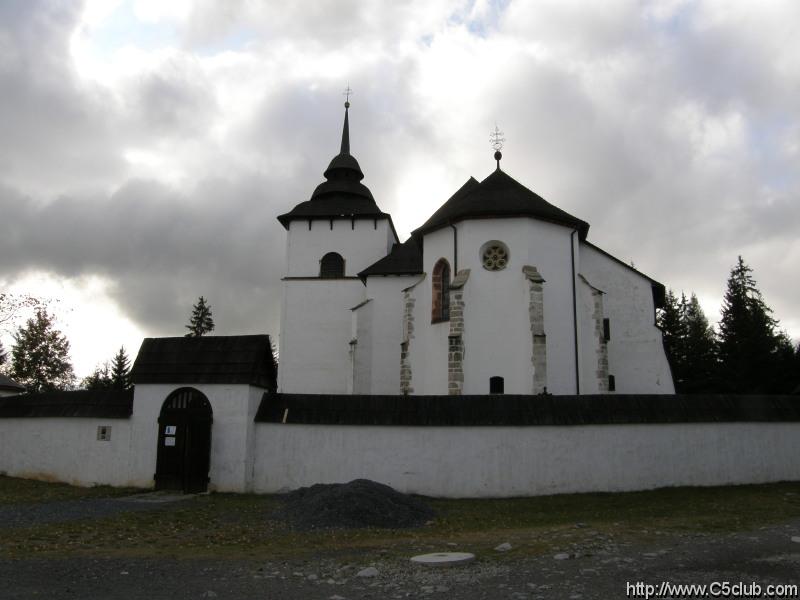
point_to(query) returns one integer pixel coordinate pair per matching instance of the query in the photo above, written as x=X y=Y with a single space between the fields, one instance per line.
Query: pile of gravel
x=360 y=503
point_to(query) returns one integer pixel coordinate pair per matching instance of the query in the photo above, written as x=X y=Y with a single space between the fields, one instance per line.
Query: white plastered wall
x=316 y=323
x=67 y=449
x=497 y=336
x=379 y=335
x=526 y=461
x=636 y=355
x=360 y=242
x=428 y=351
x=316 y=329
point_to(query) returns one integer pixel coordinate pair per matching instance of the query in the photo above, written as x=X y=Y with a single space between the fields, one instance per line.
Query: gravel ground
x=598 y=569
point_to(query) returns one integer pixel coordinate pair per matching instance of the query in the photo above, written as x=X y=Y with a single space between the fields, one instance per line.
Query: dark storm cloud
x=163 y=249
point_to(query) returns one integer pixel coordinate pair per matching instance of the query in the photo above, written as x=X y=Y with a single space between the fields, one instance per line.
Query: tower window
x=612 y=383
x=496 y=385
x=606 y=329
x=440 y=302
x=331 y=266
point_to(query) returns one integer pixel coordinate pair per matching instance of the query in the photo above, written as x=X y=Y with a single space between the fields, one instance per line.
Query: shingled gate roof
x=243 y=359
x=498 y=196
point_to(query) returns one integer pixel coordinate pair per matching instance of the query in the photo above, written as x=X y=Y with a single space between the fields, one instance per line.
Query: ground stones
x=368 y=572
x=443 y=559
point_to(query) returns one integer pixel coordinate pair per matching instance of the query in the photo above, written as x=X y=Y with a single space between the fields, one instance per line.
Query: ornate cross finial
x=346 y=93
x=497 y=139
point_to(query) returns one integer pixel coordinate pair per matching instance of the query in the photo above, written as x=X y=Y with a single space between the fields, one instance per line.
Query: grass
x=240 y=526
x=23 y=491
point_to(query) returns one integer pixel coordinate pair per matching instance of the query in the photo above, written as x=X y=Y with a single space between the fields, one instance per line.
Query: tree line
x=746 y=353
x=40 y=361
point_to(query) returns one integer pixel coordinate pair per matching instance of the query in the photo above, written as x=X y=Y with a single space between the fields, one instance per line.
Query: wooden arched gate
x=184 y=442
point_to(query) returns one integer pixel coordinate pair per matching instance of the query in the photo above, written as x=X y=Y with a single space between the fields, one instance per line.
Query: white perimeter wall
x=525 y=461
x=67 y=449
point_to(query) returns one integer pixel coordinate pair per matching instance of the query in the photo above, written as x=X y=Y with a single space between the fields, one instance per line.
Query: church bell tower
x=333 y=235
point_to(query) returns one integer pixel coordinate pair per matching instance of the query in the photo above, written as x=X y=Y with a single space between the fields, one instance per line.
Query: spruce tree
x=121 y=370
x=671 y=322
x=100 y=378
x=40 y=357
x=700 y=349
x=201 y=321
x=748 y=342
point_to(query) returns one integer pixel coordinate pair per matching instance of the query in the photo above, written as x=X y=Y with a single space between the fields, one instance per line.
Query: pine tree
x=40 y=357
x=100 y=379
x=121 y=370
x=201 y=321
x=672 y=325
x=748 y=342
x=3 y=355
x=700 y=349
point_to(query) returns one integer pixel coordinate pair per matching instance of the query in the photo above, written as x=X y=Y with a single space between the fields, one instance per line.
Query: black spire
x=346 y=132
x=344 y=165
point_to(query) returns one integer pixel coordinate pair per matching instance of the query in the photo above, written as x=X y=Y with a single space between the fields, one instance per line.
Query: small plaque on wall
x=169 y=441
x=170 y=429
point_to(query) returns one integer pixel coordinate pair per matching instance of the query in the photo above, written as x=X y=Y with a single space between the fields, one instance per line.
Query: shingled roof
x=243 y=359
x=107 y=404
x=342 y=195
x=498 y=196
x=403 y=259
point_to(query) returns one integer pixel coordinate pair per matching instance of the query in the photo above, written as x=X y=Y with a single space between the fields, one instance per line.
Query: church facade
x=498 y=291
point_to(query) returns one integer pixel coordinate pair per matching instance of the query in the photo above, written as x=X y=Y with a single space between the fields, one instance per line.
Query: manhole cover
x=443 y=559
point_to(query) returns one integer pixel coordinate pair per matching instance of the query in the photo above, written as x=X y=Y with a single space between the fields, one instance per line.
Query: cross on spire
x=496 y=139
x=346 y=93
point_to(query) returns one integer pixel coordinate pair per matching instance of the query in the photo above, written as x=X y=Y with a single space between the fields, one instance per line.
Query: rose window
x=495 y=256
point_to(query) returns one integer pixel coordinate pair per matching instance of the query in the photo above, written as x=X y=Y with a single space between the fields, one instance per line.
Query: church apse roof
x=498 y=196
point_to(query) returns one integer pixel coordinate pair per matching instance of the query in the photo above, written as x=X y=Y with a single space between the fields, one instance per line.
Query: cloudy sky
x=146 y=146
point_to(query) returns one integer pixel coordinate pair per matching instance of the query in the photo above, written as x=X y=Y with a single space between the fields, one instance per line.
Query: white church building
x=498 y=291
x=495 y=353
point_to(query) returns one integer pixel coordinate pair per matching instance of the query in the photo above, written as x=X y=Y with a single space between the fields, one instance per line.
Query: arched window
x=331 y=266
x=496 y=385
x=440 y=302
